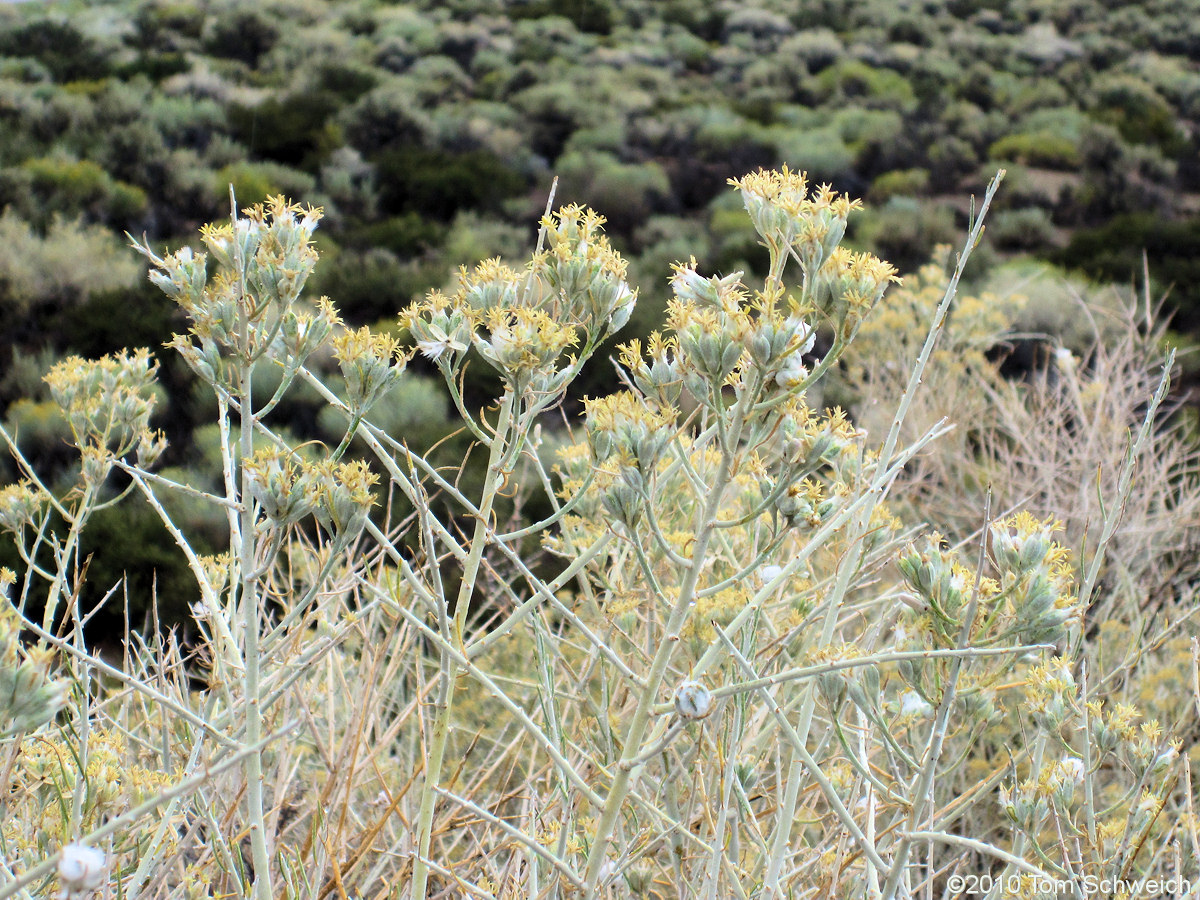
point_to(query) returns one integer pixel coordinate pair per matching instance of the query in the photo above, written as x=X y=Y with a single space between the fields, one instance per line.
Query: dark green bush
x=1053 y=151
x=386 y=116
x=628 y=194
x=75 y=187
x=907 y=230
x=294 y=129
x=437 y=184
x=899 y=183
x=405 y=235
x=129 y=549
x=1138 y=112
x=254 y=182
x=155 y=66
x=374 y=284
x=110 y=320
x=66 y=52
x=167 y=26
x=1121 y=249
x=594 y=16
x=1027 y=230
x=242 y=33
x=852 y=80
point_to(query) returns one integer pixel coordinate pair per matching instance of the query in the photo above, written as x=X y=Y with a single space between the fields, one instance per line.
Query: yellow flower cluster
x=46 y=776
x=585 y=274
x=108 y=403
x=371 y=363
x=288 y=488
x=789 y=219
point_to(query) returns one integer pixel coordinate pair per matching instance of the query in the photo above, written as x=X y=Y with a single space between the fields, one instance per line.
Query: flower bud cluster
x=524 y=345
x=659 y=378
x=979 y=705
x=491 y=285
x=805 y=503
x=1036 y=576
x=108 y=403
x=834 y=685
x=942 y=587
x=1113 y=726
x=586 y=275
x=806 y=442
x=620 y=425
x=1051 y=694
x=1147 y=753
x=301 y=333
x=778 y=345
x=719 y=335
x=20 y=505
x=273 y=244
x=809 y=228
x=792 y=221
x=116 y=776
x=1024 y=806
x=1029 y=601
x=287 y=489
x=848 y=286
x=863 y=687
x=522 y=324
x=1146 y=810
x=711 y=328
x=29 y=697
x=344 y=498
x=371 y=364
x=282 y=486
x=1027 y=804
x=1060 y=779
x=441 y=328
x=264 y=259
x=626 y=439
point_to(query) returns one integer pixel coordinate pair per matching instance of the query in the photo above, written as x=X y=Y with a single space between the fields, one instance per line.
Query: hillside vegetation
x=429 y=133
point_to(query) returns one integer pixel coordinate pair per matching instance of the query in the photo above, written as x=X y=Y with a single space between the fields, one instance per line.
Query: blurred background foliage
x=430 y=132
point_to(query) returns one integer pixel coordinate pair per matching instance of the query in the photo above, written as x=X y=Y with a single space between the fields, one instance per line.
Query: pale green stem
x=152 y=858
x=28 y=471
x=859 y=662
x=935 y=330
x=850 y=561
x=728 y=778
x=139 y=685
x=63 y=559
x=922 y=793
x=807 y=759
x=260 y=853
x=982 y=848
x=820 y=538
x=450 y=667
x=226 y=646
x=632 y=745
x=145 y=475
x=847 y=566
x=1089 y=794
x=1125 y=485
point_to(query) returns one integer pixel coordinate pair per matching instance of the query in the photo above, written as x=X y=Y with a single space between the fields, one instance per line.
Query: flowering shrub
x=732 y=661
